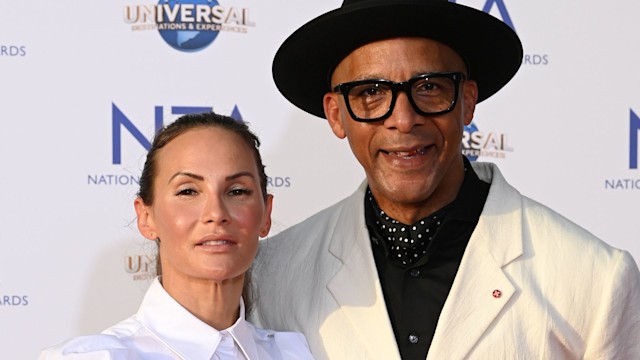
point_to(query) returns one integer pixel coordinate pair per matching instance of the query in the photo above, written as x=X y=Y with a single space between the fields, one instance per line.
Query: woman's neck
x=215 y=303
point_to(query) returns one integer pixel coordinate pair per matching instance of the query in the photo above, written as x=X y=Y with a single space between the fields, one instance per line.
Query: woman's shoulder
x=95 y=347
x=117 y=342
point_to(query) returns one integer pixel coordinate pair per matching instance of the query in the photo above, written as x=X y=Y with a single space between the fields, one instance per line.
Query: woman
x=203 y=200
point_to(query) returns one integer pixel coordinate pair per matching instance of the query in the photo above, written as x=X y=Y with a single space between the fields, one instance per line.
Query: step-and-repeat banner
x=86 y=83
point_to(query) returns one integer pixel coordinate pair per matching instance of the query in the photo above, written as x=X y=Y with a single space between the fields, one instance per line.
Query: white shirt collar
x=190 y=337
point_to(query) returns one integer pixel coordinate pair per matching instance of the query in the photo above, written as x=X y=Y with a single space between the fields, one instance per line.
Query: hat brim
x=304 y=62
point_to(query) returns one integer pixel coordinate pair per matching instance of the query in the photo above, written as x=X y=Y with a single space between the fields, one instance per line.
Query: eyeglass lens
x=374 y=99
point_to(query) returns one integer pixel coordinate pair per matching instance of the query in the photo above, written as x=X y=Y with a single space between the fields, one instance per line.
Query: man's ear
x=331 y=105
x=145 y=220
x=470 y=98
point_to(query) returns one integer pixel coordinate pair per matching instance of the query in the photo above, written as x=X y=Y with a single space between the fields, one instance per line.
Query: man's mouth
x=407 y=154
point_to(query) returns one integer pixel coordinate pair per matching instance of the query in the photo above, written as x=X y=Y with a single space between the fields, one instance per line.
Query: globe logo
x=185 y=36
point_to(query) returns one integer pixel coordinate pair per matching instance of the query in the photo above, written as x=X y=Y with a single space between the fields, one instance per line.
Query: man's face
x=413 y=163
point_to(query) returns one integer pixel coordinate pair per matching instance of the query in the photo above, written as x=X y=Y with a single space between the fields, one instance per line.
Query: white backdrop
x=71 y=259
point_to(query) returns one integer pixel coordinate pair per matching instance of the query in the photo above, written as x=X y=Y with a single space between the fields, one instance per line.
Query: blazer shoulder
x=551 y=235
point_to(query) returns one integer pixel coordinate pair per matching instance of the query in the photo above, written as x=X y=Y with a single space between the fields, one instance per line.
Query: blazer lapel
x=355 y=285
x=481 y=289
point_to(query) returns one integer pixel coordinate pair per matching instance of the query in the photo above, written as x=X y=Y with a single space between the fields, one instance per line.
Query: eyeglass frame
x=405 y=86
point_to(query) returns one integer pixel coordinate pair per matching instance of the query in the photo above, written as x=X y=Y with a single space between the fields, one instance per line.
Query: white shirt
x=163 y=330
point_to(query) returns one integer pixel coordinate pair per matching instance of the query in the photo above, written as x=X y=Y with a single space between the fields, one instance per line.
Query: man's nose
x=403 y=117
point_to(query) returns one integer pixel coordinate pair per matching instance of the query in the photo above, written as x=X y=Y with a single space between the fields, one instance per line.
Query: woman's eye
x=187 y=192
x=239 y=191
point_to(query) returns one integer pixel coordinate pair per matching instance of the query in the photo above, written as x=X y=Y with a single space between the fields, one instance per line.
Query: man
x=432 y=257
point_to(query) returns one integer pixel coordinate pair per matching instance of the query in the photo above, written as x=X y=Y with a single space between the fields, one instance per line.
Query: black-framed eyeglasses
x=429 y=94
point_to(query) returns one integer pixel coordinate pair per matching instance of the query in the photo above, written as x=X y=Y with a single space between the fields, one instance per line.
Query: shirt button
x=415 y=273
x=413 y=338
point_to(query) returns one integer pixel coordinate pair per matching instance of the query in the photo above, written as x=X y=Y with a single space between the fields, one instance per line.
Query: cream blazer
x=531 y=285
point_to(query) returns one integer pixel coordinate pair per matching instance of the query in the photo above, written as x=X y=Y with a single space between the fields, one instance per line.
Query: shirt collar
x=190 y=337
x=466 y=207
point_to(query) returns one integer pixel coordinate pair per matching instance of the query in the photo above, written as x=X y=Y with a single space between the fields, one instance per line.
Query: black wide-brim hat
x=303 y=65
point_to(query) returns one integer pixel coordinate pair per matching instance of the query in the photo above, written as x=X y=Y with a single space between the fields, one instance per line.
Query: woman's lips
x=216 y=242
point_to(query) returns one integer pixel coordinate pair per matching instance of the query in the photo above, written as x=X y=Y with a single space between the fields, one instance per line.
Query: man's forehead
x=422 y=54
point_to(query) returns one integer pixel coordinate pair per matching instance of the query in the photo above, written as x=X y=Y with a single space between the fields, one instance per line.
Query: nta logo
x=628 y=183
x=634 y=129
x=119 y=120
x=188 y=25
x=502 y=8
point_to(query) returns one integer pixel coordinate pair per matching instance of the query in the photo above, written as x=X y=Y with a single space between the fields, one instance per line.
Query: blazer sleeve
x=615 y=332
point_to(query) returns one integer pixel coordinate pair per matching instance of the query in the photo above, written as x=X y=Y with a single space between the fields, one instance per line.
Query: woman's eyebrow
x=185 y=173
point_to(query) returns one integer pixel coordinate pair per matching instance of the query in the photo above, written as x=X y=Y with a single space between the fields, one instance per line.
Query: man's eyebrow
x=373 y=76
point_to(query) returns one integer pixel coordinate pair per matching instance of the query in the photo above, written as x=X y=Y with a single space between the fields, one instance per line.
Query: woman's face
x=208 y=208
